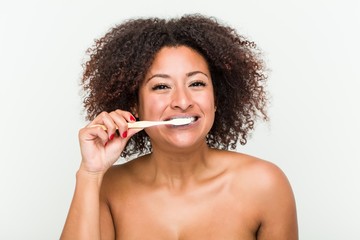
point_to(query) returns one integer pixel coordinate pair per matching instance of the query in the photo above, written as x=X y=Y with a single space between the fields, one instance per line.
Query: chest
x=208 y=214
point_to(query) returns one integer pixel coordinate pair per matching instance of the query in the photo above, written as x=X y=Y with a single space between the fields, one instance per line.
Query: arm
x=100 y=149
x=277 y=203
x=83 y=219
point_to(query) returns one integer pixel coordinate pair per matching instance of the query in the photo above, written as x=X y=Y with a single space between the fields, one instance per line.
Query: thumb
x=133 y=131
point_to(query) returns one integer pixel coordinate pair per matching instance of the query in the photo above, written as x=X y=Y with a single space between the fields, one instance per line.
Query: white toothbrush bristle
x=182 y=121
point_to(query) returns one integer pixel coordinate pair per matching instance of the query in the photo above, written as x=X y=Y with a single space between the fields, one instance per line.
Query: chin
x=184 y=143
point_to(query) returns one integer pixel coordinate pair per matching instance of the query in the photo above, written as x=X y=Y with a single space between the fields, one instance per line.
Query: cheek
x=207 y=101
x=150 y=108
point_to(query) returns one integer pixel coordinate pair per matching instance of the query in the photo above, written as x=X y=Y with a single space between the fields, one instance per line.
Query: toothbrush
x=145 y=124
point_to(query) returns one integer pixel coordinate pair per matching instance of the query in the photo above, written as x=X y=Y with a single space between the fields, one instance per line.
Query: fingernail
x=132 y=118
x=105 y=144
x=124 y=135
x=112 y=136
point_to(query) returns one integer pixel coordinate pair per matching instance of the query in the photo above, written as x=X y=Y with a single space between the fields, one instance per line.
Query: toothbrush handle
x=136 y=125
x=145 y=124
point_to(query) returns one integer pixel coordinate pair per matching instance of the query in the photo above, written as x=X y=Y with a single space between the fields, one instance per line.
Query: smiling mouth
x=187 y=120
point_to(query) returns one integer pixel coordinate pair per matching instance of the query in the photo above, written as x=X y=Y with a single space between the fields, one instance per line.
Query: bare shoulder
x=269 y=195
x=255 y=171
x=261 y=180
x=247 y=165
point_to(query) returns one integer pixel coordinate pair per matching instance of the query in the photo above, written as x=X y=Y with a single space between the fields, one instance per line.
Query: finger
x=95 y=134
x=127 y=115
x=108 y=123
x=121 y=119
x=110 y=126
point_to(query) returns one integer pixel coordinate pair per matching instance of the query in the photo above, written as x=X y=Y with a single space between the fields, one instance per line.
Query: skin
x=183 y=189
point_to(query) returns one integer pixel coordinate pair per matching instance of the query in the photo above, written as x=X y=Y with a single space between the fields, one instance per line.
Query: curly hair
x=120 y=59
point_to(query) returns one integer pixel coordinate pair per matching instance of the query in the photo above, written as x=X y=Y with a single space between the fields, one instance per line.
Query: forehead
x=177 y=59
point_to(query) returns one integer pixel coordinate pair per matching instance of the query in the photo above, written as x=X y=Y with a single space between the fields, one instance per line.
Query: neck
x=181 y=169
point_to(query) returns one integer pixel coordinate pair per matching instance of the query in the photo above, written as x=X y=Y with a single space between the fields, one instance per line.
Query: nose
x=181 y=99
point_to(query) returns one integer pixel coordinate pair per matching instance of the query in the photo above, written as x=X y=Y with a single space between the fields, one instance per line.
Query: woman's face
x=178 y=84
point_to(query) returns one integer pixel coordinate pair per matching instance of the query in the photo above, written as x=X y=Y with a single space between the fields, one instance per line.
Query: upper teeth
x=182 y=121
x=192 y=118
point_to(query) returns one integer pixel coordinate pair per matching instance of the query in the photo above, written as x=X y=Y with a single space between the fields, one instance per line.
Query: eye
x=160 y=86
x=198 y=84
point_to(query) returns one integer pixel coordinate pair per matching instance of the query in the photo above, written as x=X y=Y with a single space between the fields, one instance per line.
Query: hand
x=100 y=148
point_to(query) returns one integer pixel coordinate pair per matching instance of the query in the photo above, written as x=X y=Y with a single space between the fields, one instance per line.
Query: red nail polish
x=105 y=144
x=124 y=135
x=132 y=119
x=112 y=136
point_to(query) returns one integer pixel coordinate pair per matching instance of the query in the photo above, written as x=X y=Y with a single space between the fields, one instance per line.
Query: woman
x=184 y=183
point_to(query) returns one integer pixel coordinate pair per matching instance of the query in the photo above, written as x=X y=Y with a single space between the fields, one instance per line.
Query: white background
x=311 y=46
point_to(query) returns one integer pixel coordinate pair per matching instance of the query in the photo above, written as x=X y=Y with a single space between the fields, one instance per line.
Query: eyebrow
x=189 y=74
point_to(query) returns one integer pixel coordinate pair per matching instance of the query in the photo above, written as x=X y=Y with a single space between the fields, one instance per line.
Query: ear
x=134 y=111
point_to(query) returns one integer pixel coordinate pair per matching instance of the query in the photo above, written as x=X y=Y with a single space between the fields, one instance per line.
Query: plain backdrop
x=310 y=46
